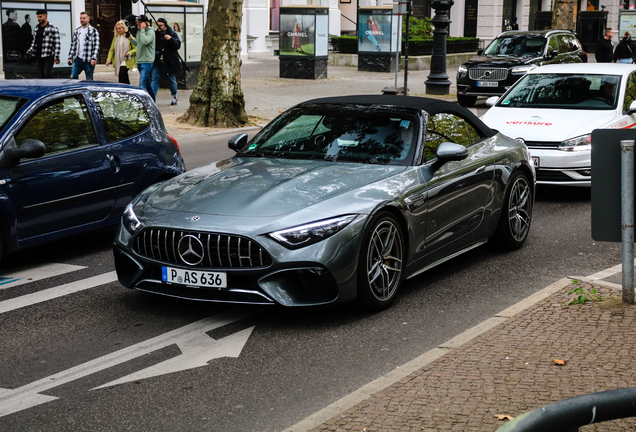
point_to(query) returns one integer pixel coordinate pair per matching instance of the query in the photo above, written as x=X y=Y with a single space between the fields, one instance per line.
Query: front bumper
x=302 y=284
x=318 y=274
x=563 y=168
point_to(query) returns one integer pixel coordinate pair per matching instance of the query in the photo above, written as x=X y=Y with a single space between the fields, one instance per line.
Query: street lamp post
x=438 y=82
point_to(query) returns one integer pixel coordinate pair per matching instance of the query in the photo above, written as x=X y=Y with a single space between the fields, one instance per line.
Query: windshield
x=571 y=91
x=516 y=46
x=339 y=134
x=8 y=107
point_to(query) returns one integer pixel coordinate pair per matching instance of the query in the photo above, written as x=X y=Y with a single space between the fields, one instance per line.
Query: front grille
x=489 y=74
x=542 y=144
x=219 y=250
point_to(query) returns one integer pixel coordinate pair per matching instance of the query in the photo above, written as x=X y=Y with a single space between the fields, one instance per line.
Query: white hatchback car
x=555 y=108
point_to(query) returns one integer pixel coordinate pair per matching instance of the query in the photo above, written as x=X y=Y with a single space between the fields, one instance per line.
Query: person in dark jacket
x=605 y=48
x=167 y=61
x=625 y=50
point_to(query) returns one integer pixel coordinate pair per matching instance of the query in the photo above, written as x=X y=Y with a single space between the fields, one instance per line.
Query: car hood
x=499 y=62
x=264 y=187
x=552 y=125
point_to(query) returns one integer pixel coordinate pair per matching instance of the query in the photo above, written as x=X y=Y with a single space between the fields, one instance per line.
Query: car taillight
x=174 y=141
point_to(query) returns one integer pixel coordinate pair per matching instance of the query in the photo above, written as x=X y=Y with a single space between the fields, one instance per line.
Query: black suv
x=510 y=56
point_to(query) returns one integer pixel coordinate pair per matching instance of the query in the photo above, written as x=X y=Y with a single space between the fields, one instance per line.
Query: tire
x=516 y=213
x=466 y=101
x=381 y=263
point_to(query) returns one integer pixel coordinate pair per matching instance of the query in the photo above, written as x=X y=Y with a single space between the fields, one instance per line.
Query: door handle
x=480 y=170
x=115 y=164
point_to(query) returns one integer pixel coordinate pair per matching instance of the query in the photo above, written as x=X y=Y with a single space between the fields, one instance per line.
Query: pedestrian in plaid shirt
x=46 y=45
x=84 y=48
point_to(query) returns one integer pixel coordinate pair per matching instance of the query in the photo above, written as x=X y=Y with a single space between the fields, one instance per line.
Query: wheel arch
x=400 y=217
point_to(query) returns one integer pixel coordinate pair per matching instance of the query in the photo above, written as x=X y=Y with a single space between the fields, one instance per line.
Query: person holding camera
x=122 y=53
x=167 y=62
x=145 y=43
x=84 y=48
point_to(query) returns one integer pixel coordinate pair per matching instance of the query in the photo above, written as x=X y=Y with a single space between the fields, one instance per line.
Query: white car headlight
x=580 y=143
x=522 y=69
x=462 y=69
x=304 y=235
x=129 y=219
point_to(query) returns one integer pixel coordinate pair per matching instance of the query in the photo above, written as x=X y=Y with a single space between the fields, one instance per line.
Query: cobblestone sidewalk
x=510 y=369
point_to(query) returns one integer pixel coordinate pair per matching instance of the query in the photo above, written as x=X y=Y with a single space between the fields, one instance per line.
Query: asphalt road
x=283 y=365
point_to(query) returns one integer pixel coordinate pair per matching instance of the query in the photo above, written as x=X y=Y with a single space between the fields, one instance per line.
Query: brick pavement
x=510 y=370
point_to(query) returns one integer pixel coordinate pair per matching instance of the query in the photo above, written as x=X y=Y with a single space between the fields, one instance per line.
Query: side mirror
x=30 y=148
x=491 y=101
x=552 y=53
x=237 y=142
x=632 y=108
x=480 y=52
x=447 y=152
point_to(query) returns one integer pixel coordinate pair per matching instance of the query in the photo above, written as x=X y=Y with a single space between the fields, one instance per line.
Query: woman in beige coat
x=122 y=53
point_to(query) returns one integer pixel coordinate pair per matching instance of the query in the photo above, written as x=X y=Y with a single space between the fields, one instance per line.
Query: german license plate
x=194 y=277
x=535 y=161
x=487 y=84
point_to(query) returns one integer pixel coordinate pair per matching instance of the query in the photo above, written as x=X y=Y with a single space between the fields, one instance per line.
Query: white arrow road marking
x=197 y=352
x=31 y=274
x=59 y=291
x=189 y=339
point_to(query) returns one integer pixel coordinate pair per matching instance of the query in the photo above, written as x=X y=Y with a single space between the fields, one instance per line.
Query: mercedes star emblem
x=190 y=250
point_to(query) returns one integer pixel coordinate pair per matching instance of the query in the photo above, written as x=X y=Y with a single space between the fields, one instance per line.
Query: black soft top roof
x=431 y=106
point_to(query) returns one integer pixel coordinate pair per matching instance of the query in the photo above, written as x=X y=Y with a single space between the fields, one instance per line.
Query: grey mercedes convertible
x=337 y=199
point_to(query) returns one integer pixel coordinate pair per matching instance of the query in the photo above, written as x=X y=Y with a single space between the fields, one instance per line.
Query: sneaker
x=174 y=101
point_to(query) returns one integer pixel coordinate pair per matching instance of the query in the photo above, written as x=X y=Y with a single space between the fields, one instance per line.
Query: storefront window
x=274 y=14
x=19 y=22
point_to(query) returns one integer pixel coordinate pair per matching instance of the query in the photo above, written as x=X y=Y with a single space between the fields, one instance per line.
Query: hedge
x=417 y=46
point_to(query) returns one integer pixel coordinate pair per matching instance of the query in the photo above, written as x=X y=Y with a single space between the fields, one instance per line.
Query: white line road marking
x=59 y=291
x=191 y=340
x=31 y=274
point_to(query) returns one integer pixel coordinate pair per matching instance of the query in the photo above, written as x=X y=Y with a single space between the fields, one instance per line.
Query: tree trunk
x=217 y=98
x=563 y=14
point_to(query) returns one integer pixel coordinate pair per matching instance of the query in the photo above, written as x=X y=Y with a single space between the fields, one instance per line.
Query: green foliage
x=418 y=45
x=583 y=296
x=345 y=44
x=418 y=28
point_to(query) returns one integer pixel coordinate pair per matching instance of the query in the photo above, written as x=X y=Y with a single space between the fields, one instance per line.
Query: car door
x=457 y=192
x=628 y=121
x=124 y=125
x=74 y=182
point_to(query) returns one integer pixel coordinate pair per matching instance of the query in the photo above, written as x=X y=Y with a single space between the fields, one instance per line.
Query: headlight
x=580 y=143
x=522 y=69
x=462 y=69
x=304 y=235
x=129 y=219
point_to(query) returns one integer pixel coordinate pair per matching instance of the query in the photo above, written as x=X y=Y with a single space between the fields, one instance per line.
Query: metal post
x=438 y=82
x=627 y=218
x=406 y=49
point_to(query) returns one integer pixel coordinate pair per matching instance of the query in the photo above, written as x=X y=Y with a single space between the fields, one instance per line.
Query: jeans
x=625 y=60
x=45 y=66
x=144 y=78
x=80 y=65
x=156 y=73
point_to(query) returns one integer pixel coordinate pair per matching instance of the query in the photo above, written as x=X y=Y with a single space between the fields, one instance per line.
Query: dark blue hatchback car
x=73 y=154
